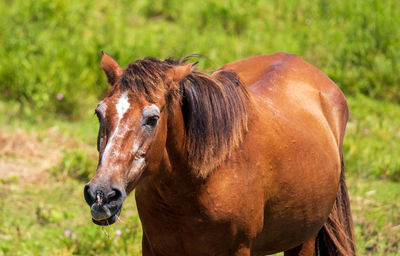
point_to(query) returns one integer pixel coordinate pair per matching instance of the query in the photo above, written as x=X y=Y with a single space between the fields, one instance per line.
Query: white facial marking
x=113 y=149
x=135 y=147
x=122 y=105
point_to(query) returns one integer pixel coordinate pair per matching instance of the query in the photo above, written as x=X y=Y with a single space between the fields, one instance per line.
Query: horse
x=244 y=161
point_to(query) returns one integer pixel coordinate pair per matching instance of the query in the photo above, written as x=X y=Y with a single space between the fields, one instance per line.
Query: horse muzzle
x=105 y=203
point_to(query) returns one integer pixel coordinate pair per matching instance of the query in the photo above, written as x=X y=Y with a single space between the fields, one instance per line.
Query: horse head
x=132 y=133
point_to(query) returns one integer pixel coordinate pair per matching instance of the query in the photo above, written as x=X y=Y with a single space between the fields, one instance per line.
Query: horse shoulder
x=234 y=195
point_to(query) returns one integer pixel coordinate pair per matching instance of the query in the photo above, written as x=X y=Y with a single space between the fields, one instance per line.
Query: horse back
x=287 y=82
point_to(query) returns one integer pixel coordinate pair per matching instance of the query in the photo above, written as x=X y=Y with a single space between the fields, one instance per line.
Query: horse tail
x=337 y=236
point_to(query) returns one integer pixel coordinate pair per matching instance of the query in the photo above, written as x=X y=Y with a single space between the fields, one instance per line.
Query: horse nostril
x=114 y=195
x=88 y=196
x=102 y=197
x=111 y=194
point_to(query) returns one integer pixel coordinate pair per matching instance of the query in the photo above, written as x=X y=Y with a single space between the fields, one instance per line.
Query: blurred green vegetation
x=371 y=146
x=53 y=47
x=75 y=164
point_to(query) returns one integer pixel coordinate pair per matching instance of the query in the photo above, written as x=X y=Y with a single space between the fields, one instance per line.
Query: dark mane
x=215 y=114
x=214 y=108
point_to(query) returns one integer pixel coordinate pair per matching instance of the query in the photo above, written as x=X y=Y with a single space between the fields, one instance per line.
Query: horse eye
x=152 y=121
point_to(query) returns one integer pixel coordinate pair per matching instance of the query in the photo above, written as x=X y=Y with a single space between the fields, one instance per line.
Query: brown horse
x=246 y=161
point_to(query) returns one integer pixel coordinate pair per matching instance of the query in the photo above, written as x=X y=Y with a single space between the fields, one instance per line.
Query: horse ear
x=111 y=68
x=177 y=73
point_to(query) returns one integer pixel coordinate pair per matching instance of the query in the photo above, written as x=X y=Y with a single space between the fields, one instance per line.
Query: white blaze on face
x=135 y=147
x=113 y=149
x=122 y=106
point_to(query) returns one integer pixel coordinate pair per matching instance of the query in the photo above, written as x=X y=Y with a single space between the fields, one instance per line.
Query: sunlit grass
x=376 y=216
x=372 y=141
x=51 y=218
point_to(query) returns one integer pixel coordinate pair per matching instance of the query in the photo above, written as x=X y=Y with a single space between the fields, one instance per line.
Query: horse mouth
x=106 y=222
x=109 y=220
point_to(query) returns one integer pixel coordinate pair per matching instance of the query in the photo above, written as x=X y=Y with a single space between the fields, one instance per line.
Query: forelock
x=146 y=77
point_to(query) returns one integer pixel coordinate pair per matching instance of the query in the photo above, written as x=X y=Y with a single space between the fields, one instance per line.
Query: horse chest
x=199 y=226
x=169 y=233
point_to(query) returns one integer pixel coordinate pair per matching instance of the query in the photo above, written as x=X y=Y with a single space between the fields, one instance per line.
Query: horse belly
x=297 y=208
x=301 y=176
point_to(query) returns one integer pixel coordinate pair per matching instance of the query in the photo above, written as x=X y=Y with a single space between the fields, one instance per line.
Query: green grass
x=84 y=129
x=376 y=216
x=51 y=218
x=372 y=141
x=51 y=47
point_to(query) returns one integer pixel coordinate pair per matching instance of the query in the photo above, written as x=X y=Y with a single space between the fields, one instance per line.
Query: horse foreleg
x=305 y=249
x=242 y=250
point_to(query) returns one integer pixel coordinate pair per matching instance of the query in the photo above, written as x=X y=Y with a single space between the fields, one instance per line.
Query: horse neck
x=174 y=181
x=175 y=140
